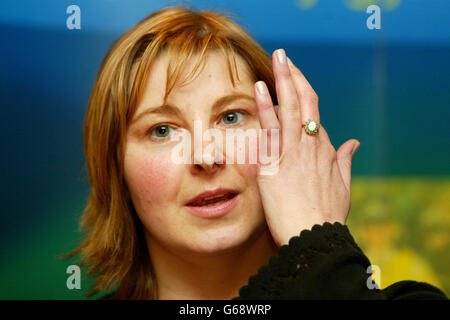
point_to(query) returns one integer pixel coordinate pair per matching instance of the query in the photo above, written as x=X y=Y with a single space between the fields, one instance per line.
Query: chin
x=222 y=239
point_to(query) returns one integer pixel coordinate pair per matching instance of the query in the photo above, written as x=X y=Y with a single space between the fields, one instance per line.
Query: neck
x=218 y=276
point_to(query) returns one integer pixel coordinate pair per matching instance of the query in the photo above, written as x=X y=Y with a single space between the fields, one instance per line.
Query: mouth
x=212 y=200
x=212 y=204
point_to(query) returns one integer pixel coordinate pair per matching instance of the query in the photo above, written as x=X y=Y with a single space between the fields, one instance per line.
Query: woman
x=157 y=229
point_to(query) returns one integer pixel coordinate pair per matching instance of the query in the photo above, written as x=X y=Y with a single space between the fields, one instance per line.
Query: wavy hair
x=114 y=249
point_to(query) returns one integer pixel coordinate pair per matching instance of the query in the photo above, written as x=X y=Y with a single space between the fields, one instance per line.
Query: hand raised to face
x=312 y=183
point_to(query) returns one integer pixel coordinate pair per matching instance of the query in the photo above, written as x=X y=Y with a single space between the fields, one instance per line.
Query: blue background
x=388 y=88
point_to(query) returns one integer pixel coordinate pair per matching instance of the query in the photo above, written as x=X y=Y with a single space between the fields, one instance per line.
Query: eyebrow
x=173 y=110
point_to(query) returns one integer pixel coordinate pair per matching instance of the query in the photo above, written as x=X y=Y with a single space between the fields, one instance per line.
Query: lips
x=212 y=197
x=213 y=204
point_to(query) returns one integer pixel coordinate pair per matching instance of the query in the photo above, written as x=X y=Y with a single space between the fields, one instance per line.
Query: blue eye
x=232 y=117
x=160 y=131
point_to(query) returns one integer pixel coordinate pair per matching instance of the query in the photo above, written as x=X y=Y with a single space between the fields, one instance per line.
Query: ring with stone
x=311 y=127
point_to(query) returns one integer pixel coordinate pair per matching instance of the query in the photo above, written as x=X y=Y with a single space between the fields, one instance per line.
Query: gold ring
x=311 y=127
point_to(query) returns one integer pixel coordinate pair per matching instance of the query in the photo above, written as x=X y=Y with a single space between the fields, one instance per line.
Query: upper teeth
x=216 y=196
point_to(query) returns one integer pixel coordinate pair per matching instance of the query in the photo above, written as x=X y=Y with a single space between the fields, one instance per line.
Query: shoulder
x=413 y=290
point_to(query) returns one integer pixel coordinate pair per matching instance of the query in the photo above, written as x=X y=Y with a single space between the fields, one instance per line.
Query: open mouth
x=213 y=203
x=213 y=200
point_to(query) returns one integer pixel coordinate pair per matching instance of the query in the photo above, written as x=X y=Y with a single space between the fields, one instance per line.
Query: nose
x=210 y=159
x=207 y=168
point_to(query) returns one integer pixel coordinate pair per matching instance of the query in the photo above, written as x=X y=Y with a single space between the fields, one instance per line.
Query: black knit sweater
x=326 y=263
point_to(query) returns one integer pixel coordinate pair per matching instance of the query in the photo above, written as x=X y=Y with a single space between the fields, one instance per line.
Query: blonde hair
x=114 y=248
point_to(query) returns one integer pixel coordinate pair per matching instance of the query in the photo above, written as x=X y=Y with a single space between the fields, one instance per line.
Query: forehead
x=213 y=76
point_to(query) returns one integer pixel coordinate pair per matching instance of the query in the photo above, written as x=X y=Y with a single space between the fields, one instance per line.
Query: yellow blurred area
x=361 y=5
x=305 y=4
x=402 y=225
x=356 y=5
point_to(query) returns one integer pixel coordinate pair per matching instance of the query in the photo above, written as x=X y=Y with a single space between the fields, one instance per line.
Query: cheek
x=252 y=204
x=252 y=156
x=248 y=171
x=147 y=177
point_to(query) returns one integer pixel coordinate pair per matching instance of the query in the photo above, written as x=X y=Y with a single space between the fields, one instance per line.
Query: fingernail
x=355 y=148
x=281 y=55
x=289 y=62
x=262 y=89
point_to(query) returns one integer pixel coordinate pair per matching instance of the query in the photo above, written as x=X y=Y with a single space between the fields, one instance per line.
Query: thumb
x=344 y=159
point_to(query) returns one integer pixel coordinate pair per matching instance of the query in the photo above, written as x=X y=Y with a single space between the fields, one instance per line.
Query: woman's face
x=162 y=189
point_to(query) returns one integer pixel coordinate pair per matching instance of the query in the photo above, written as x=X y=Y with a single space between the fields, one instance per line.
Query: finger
x=309 y=101
x=269 y=121
x=344 y=159
x=289 y=110
x=266 y=111
x=276 y=111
